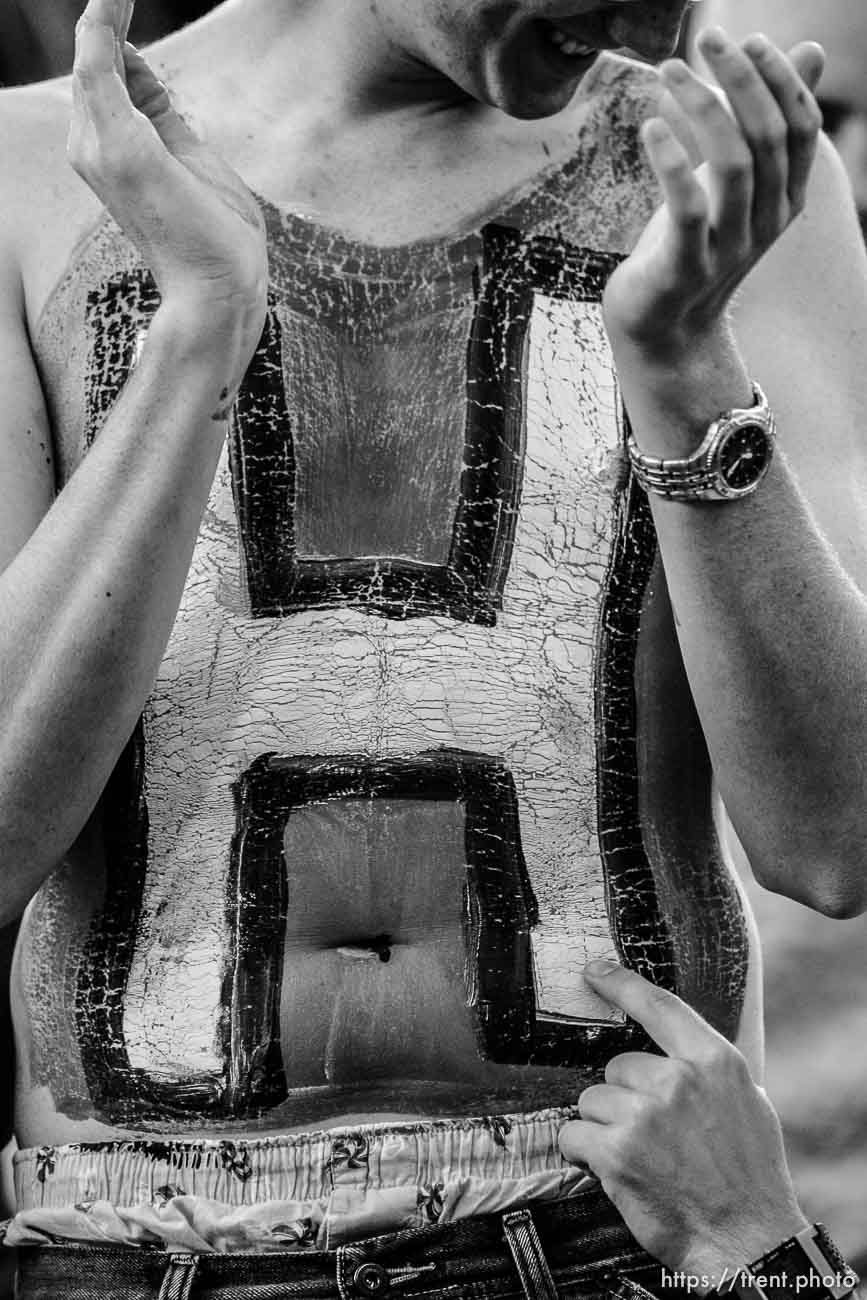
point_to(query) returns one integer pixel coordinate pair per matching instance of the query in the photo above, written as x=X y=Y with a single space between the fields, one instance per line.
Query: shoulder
x=33 y=124
x=44 y=206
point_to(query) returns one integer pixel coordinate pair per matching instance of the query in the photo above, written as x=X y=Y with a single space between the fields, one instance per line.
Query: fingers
x=150 y=96
x=680 y=124
x=791 y=82
x=674 y=1026
x=640 y=1071
x=723 y=146
x=147 y=92
x=112 y=74
x=685 y=199
x=761 y=145
x=764 y=130
x=126 y=137
x=97 y=80
x=606 y=1104
x=808 y=60
x=112 y=144
x=107 y=137
x=122 y=112
x=126 y=19
x=581 y=1142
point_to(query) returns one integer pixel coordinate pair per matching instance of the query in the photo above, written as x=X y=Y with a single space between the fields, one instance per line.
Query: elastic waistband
x=500 y=1148
x=318 y=1189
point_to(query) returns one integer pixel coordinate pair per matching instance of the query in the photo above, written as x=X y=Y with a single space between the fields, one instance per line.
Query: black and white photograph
x=433 y=649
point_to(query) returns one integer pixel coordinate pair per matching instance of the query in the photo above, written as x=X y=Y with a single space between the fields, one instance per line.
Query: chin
x=528 y=103
x=529 y=108
x=525 y=88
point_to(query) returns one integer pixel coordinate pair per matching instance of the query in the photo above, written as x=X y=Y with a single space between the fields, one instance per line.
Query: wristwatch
x=734 y=457
x=807 y=1266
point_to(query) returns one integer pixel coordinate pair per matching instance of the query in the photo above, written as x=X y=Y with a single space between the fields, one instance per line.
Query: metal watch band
x=807 y=1266
x=697 y=477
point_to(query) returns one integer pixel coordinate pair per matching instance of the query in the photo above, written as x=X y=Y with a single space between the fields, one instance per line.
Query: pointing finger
x=674 y=1026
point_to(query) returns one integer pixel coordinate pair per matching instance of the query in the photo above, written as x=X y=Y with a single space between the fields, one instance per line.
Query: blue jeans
x=578 y=1249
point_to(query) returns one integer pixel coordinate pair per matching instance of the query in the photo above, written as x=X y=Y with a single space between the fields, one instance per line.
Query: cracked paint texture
x=419 y=579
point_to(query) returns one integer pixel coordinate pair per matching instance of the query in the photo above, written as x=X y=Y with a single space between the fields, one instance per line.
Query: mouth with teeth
x=568 y=44
x=549 y=57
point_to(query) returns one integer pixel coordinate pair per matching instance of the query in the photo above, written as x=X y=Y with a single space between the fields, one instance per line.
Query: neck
x=336 y=53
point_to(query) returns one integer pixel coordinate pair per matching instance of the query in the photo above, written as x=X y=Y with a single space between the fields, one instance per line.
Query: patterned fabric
x=310 y=1192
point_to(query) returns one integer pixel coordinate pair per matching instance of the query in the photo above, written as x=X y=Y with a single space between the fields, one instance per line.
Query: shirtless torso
x=407 y=719
x=357 y=685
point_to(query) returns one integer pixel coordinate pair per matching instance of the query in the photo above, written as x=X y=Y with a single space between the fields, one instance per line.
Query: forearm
x=87 y=605
x=773 y=634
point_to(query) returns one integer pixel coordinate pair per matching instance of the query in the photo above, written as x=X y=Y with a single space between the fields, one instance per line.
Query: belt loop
x=523 y=1241
x=348 y=1259
x=179 y=1277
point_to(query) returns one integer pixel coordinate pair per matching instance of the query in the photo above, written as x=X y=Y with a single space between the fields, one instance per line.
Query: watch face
x=743 y=457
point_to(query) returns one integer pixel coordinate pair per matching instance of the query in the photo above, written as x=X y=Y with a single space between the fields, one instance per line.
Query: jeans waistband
x=575 y=1248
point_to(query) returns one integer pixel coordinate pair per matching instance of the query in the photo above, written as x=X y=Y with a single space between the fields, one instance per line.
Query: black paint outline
x=514 y=269
x=501 y=906
x=120 y=1092
x=116 y=313
x=468 y=587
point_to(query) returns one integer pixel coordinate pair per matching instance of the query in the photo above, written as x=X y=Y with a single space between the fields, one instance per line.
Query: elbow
x=845 y=909
x=835 y=889
x=816 y=856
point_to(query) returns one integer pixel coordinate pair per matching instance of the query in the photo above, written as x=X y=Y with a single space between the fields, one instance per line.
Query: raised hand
x=719 y=220
x=686 y=1145
x=195 y=223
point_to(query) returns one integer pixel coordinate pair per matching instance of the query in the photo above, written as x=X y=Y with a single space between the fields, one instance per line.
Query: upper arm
x=26 y=492
x=801 y=322
x=27 y=483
